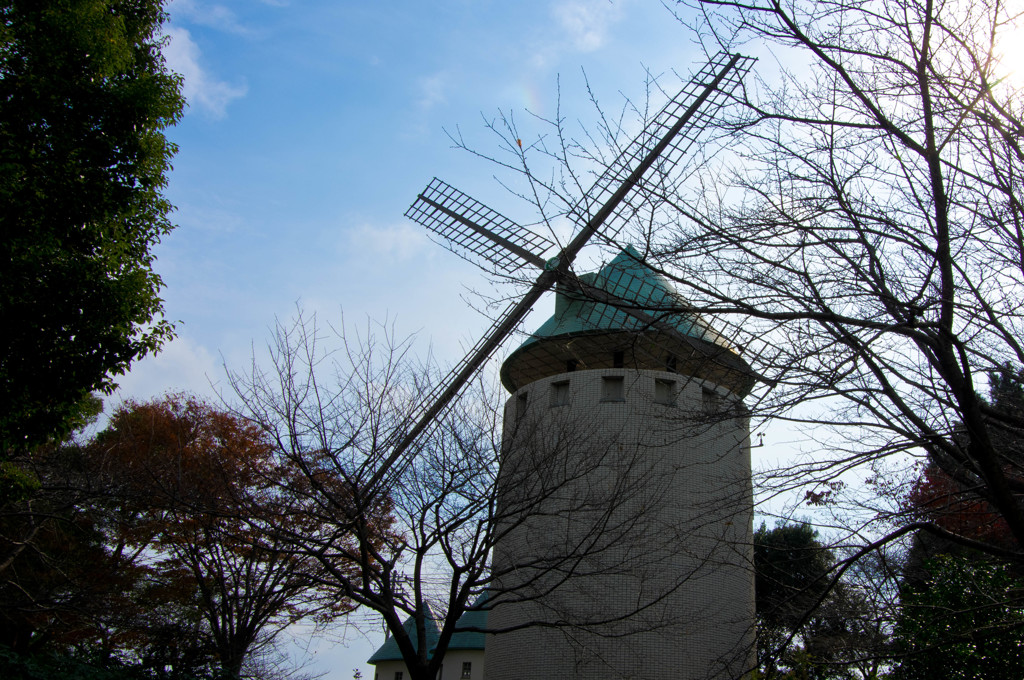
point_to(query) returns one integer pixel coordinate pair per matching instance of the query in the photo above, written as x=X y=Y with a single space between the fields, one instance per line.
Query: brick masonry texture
x=627 y=529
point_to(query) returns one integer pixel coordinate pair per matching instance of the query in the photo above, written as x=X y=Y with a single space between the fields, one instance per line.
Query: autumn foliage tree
x=955 y=506
x=142 y=551
x=188 y=483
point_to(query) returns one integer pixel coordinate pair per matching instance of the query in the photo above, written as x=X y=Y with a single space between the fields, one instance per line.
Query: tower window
x=570 y=365
x=467 y=669
x=522 y=401
x=613 y=388
x=617 y=359
x=560 y=393
x=670 y=363
x=712 y=400
x=664 y=391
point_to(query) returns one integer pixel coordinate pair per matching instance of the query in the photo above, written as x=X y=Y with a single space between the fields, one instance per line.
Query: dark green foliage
x=965 y=621
x=808 y=626
x=84 y=99
x=50 y=667
x=1006 y=398
x=791 y=567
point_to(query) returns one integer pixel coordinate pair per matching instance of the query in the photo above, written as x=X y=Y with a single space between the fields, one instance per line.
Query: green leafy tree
x=791 y=568
x=808 y=624
x=84 y=98
x=964 y=621
x=961 y=611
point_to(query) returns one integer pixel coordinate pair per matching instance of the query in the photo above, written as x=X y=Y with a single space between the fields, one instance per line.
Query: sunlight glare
x=1009 y=50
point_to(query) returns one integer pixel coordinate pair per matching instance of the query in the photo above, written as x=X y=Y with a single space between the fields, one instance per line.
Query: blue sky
x=313 y=124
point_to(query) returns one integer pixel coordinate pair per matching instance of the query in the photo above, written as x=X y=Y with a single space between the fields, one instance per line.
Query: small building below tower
x=464 y=659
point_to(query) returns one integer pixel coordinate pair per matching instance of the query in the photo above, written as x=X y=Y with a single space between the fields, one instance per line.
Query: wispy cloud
x=211 y=16
x=432 y=91
x=181 y=364
x=202 y=90
x=397 y=243
x=586 y=22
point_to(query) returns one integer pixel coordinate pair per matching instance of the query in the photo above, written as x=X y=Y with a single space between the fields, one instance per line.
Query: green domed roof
x=585 y=333
x=389 y=651
x=629 y=279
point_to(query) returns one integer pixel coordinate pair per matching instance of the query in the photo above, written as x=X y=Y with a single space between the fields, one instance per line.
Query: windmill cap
x=586 y=333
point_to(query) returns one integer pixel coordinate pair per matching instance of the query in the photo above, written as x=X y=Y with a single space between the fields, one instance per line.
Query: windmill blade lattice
x=634 y=303
x=474 y=228
x=434 y=404
x=693 y=110
x=470 y=228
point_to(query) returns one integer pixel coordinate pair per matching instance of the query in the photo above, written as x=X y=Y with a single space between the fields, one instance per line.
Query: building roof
x=474 y=617
x=585 y=333
x=389 y=651
x=628 y=278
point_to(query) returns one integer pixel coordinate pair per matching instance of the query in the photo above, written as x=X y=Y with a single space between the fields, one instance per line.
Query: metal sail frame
x=474 y=229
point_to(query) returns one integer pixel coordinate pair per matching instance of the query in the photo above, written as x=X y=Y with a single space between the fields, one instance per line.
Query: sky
x=312 y=125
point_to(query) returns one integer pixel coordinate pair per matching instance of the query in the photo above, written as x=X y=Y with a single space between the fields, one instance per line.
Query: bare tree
x=856 y=226
x=868 y=230
x=423 y=547
x=862 y=235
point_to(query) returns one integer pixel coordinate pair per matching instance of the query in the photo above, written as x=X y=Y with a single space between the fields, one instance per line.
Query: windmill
x=473 y=230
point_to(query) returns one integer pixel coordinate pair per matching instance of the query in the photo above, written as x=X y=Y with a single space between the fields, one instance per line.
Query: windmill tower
x=626 y=469
x=628 y=321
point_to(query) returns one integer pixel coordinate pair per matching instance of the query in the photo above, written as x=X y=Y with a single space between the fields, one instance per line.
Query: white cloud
x=182 y=365
x=394 y=243
x=201 y=89
x=586 y=22
x=212 y=16
x=432 y=90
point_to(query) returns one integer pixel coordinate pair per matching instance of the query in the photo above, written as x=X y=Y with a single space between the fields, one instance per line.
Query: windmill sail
x=675 y=130
x=474 y=228
x=442 y=396
x=470 y=228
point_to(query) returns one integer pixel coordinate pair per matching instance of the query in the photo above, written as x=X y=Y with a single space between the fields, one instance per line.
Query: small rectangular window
x=522 y=401
x=664 y=391
x=570 y=365
x=467 y=669
x=398 y=675
x=560 y=393
x=712 y=400
x=618 y=359
x=613 y=388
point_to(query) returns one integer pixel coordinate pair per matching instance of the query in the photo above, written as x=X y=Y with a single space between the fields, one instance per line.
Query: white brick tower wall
x=626 y=520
